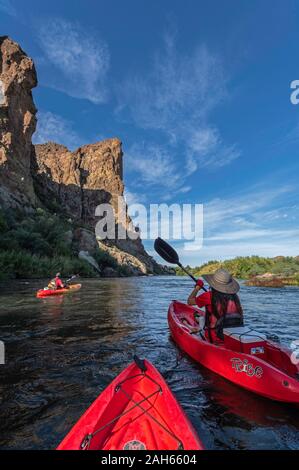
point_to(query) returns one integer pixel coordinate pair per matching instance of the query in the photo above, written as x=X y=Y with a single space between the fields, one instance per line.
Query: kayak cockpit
x=243 y=339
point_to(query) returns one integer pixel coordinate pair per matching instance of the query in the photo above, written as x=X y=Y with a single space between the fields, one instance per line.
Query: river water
x=61 y=353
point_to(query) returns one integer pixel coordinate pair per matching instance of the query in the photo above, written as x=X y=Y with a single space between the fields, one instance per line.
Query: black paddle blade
x=166 y=251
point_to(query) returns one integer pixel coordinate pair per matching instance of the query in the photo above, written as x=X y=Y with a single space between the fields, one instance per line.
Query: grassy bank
x=39 y=245
x=257 y=270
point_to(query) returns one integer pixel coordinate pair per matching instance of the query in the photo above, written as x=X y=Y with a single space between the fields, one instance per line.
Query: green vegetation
x=284 y=270
x=22 y=264
x=39 y=245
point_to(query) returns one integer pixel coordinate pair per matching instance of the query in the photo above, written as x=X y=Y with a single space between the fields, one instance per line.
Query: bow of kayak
x=137 y=411
x=273 y=375
x=50 y=292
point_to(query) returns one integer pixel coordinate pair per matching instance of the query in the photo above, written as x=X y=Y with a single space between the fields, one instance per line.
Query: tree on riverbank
x=252 y=267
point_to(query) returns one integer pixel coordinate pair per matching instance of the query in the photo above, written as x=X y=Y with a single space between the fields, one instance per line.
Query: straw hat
x=222 y=281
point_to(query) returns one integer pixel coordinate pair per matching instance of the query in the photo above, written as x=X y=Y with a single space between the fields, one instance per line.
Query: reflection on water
x=62 y=351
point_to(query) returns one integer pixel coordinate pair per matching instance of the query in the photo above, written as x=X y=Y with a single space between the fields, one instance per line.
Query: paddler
x=222 y=304
x=57 y=283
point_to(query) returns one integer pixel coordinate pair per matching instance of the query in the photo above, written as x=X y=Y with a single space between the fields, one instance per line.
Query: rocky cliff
x=49 y=175
x=17 y=124
x=77 y=182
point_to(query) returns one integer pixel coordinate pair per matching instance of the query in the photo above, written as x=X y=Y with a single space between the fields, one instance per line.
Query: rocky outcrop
x=17 y=124
x=274 y=279
x=49 y=175
x=77 y=182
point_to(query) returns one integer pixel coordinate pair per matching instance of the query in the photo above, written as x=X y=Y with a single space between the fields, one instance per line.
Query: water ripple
x=62 y=352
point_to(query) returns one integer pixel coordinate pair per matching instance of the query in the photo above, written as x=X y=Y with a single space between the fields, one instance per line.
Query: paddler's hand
x=199 y=284
x=192 y=297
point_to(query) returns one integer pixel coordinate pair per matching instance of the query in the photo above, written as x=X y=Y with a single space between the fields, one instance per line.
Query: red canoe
x=50 y=292
x=247 y=359
x=137 y=411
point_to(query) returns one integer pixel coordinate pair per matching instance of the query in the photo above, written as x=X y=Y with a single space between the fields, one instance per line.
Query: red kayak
x=137 y=411
x=245 y=357
x=50 y=292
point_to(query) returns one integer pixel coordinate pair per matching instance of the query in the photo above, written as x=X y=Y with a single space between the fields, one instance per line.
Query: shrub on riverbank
x=286 y=267
x=22 y=264
x=37 y=245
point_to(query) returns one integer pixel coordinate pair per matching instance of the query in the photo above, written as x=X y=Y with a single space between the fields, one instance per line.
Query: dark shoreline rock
x=271 y=280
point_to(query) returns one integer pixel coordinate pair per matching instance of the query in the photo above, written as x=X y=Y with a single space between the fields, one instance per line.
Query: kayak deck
x=50 y=292
x=137 y=411
x=274 y=376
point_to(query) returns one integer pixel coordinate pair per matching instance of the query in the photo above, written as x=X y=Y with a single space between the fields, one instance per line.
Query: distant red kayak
x=137 y=411
x=245 y=357
x=50 y=292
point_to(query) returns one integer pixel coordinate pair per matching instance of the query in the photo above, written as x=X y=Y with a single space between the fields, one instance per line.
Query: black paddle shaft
x=170 y=255
x=71 y=278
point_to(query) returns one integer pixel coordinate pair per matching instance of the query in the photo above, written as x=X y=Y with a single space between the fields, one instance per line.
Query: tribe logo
x=134 y=445
x=244 y=366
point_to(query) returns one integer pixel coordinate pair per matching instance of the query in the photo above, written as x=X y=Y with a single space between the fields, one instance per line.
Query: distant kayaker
x=57 y=283
x=221 y=302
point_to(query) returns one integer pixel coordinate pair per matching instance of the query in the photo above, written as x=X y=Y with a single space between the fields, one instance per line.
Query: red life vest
x=214 y=325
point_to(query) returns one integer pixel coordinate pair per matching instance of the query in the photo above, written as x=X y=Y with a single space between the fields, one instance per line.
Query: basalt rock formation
x=77 y=182
x=17 y=124
x=52 y=177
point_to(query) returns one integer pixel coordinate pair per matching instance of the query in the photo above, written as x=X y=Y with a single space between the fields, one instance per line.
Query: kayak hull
x=248 y=371
x=51 y=292
x=137 y=411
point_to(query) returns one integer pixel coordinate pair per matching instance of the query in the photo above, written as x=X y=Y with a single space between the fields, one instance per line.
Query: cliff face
x=77 y=182
x=17 y=124
x=49 y=175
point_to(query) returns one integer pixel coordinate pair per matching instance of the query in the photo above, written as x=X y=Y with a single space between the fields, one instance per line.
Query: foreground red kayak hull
x=137 y=411
x=50 y=292
x=248 y=371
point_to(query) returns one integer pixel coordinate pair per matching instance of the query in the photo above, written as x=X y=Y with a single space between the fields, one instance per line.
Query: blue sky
x=199 y=94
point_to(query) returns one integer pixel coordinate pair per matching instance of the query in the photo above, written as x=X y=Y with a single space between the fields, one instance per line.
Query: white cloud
x=250 y=205
x=270 y=248
x=54 y=128
x=184 y=189
x=7 y=7
x=134 y=198
x=177 y=87
x=81 y=58
x=204 y=141
x=254 y=234
x=258 y=221
x=175 y=96
x=154 y=165
x=207 y=150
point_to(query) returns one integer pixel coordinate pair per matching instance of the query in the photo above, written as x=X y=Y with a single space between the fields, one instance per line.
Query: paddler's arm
x=191 y=299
